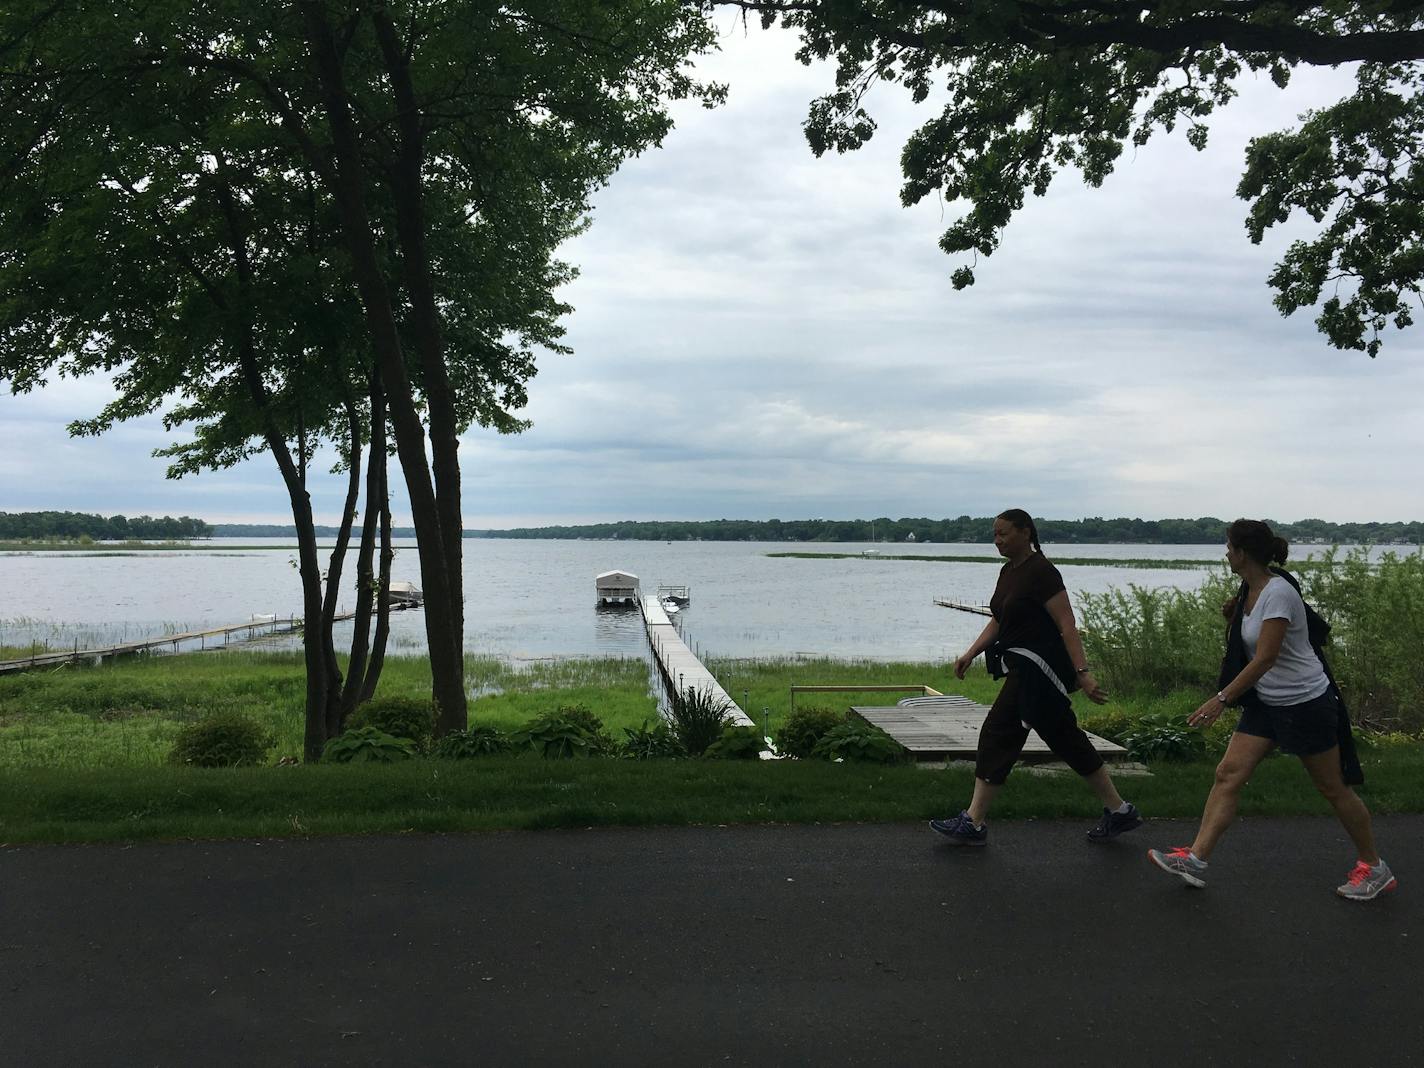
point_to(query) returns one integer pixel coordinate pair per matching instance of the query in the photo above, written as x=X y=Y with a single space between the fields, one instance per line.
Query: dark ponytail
x=1022 y=521
x=1256 y=539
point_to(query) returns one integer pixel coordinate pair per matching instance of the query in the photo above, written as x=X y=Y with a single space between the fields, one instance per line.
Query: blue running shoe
x=1115 y=823
x=960 y=830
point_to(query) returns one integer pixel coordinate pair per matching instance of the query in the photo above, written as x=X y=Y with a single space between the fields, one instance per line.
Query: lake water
x=529 y=600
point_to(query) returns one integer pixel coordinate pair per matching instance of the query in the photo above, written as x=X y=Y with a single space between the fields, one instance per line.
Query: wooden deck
x=59 y=657
x=947 y=728
x=678 y=665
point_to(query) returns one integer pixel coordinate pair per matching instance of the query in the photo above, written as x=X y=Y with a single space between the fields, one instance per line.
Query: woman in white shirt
x=1294 y=707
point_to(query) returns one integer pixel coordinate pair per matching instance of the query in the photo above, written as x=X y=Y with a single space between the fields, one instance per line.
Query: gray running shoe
x=1179 y=861
x=1365 y=883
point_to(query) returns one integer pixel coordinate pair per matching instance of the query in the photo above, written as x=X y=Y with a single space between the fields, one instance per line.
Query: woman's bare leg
x=1324 y=769
x=1243 y=754
x=1102 y=785
x=984 y=793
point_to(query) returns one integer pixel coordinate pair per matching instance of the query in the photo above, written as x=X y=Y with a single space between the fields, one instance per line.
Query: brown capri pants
x=1001 y=739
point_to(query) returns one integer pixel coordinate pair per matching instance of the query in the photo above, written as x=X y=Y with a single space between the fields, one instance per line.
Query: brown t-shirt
x=1019 y=599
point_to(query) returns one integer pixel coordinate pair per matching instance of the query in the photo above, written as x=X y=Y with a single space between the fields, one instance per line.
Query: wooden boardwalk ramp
x=947 y=728
x=201 y=639
x=678 y=665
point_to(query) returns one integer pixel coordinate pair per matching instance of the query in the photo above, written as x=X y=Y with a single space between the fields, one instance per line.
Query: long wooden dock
x=250 y=630
x=947 y=728
x=678 y=665
x=977 y=609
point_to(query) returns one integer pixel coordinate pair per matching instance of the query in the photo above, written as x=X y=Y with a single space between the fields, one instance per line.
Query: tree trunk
x=334 y=569
x=442 y=624
x=293 y=477
x=425 y=320
x=365 y=579
x=383 y=604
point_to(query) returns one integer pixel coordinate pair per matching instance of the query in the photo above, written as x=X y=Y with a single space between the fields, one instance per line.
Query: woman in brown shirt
x=1032 y=643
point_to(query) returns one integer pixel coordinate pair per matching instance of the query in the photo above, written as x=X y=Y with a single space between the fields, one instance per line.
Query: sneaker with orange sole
x=1365 y=883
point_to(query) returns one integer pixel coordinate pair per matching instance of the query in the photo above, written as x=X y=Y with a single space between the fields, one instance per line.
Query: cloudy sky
x=760 y=333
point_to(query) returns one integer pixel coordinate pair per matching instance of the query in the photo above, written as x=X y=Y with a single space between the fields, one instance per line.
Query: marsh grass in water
x=22 y=637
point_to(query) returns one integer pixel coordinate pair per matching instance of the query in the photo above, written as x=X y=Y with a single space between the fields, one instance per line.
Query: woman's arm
x=1061 y=611
x=1268 y=650
x=985 y=639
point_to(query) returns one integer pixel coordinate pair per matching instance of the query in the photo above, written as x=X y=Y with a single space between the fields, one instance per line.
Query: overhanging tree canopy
x=454 y=144
x=1033 y=88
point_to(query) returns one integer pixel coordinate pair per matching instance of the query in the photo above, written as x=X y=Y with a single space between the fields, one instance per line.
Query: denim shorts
x=1305 y=729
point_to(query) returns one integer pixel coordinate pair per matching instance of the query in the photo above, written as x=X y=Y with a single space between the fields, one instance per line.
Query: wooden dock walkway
x=947 y=728
x=253 y=629
x=977 y=609
x=678 y=665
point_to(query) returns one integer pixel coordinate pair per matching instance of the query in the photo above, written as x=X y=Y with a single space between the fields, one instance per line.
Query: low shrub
x=696 y=718
x=400 y=717
x=803 y=728
x=566 y=732
x=1163 y=739
x=1110 y=725
x=589 y=720
x=475 y=742
x=223 y=740
x=862 y=742
x=651 y=741
x=737 y=743
x=367 y=745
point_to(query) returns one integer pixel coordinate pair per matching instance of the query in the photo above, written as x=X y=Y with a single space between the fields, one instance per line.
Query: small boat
x=404 y=595
x=671 y=607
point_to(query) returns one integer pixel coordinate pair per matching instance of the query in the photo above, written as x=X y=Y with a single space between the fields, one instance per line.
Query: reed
x=1152 y=641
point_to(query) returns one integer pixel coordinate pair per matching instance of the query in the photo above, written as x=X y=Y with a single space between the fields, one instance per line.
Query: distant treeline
x=71 y=526
x=277 y=530
x=1205 y=531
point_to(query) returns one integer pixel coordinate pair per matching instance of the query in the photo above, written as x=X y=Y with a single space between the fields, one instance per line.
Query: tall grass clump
x=1157 y=640
x=1376 y=611
x=696 y=718
x=222 y=740
x=1153 y=641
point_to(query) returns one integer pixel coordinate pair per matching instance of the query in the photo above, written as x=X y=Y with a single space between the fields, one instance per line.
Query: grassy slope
x=82 y=755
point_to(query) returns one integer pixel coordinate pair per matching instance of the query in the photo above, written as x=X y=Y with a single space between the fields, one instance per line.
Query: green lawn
x=82 y=758
x=126 y=715
x=66 y=805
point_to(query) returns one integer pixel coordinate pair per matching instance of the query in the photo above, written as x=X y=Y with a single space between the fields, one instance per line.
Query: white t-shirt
x=1297 y=675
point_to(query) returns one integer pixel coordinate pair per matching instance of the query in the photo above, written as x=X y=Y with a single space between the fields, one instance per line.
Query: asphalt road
x=794 y=945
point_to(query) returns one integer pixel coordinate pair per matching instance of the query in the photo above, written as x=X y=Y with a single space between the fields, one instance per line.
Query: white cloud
x=759 y=332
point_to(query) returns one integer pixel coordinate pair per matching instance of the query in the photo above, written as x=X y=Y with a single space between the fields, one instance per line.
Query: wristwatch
x=1220 y=696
